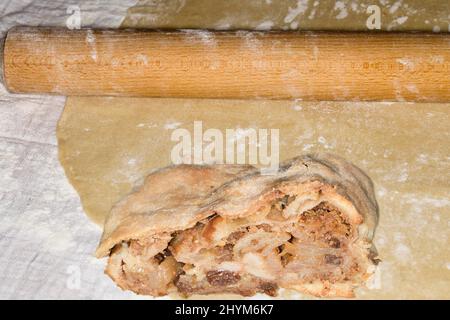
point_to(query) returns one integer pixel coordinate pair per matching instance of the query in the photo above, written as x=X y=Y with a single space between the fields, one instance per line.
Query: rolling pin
x=240 y=64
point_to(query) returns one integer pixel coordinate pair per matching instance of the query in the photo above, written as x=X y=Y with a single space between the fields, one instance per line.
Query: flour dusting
x=397 y=22
x=402 y=253
x=395 y=7
x=266 y=25
x=91 y=41
x=172 y=125
x=302 y=6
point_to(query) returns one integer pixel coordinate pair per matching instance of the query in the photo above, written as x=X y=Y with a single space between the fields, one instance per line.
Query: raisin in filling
x=235 y=256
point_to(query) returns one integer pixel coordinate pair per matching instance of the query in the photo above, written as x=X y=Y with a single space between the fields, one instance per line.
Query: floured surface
x=47 y=242
x=396 y=15
x=107 y=144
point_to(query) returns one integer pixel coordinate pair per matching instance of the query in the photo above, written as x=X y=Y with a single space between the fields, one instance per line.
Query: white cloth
x=47 y=241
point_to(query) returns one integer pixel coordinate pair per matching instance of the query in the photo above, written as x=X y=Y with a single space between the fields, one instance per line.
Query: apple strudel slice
x=229 y=229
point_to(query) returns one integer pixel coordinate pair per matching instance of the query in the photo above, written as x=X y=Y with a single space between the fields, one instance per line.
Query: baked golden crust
x=228 y=228
x=170 y=199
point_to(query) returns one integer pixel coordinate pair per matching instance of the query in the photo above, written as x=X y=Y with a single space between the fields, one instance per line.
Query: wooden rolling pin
x=203 y=64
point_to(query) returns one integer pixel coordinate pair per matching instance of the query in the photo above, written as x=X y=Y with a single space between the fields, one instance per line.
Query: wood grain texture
x=203 y=64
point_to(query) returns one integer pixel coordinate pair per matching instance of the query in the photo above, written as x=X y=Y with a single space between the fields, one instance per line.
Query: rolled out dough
x=106 y=144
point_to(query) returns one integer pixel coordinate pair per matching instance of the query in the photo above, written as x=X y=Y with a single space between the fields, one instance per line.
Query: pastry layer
x=229 y=228
x=311 y=251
